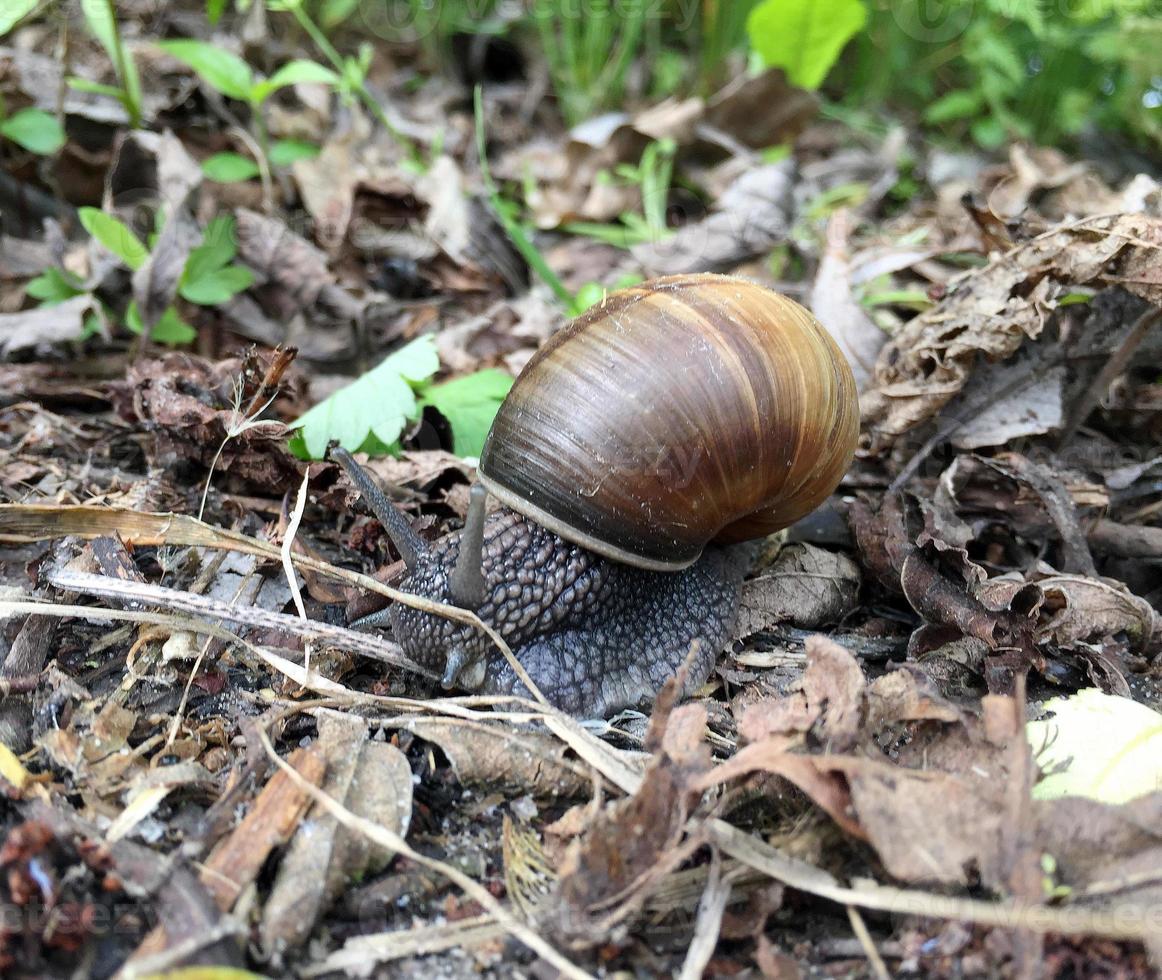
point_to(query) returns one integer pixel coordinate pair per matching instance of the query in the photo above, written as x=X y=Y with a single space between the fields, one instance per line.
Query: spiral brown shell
x=684 y=410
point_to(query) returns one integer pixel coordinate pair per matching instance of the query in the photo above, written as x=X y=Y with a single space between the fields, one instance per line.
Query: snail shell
x=684 y=410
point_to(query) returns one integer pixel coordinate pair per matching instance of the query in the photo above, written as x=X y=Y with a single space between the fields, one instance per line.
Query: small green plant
x=34 y=129
x=228 y=168
x=1002 y=70
x=209 y=277
x=350 y=71
x=101 y=18
x=370 y=414
x=590 y=48
x=228 y=74
x=652 y=176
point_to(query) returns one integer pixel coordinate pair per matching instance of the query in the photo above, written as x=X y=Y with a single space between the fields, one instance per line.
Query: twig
x=26 y=522
x=367 y=644
x=708 y=923
x=865 y=940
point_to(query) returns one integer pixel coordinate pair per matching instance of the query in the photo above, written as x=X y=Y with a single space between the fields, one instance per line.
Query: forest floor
x=199 y=765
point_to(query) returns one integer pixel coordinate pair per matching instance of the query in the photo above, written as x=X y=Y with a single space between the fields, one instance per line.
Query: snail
x=636 y=459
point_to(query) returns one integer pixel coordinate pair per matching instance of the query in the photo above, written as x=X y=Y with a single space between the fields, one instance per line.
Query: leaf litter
x=194 y=774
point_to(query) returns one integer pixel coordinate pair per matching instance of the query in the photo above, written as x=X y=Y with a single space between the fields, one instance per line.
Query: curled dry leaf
x=1079 y=610
x=990 y=312
x=938 y=580
x=187 y=406
x=807 y=586
x=907 y=694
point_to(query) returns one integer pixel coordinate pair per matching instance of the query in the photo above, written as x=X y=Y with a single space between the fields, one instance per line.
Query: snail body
x=636 y=457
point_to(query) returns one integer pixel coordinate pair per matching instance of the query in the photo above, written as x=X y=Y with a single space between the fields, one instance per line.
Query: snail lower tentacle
x=594 y=635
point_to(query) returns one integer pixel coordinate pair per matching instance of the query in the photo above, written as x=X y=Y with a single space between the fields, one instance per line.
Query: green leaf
x=332 y=13
x=227 y=168
x=84 y=85
x=588 y=294
x=1027 y=12
x=35 y=130
x=1099 y=746
x=216 y=66
x=93 y=326
x=208 y=279
x=169 y=329
x=214 y=10
x=285 y=152
x=54 y=286
x=989 y=132
x=172 y=329
x=954 y=105
x=99 y=16
x=378 y=404
x=13 y=11
x=292 y=73
x=992 y=51
x=115 y=236
x=218 y=286
x=469 y=404
x=804 y=37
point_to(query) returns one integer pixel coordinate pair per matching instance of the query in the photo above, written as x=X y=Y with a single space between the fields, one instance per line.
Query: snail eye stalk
x=466 y=585
x=411 y=546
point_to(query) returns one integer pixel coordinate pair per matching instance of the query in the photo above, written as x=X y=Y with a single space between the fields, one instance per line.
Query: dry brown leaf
x=185 y=403
x=374 y=781
x=837 y=309
x=811 y=774
x=750 y=217
x=607 y=875
x=44 y=325
x=990 y=312
x=280 y=257
x=760 y=110
x=906 y=695
x=1080 y=610
x=829 y=703
x=807 y=586
x=506 y=758
x=930 y=826
x=902 y=546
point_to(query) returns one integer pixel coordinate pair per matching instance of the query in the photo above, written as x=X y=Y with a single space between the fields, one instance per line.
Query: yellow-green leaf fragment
x=1097 y=745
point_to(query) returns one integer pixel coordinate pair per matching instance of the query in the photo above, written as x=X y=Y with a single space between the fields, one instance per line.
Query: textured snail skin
x=594 y=635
